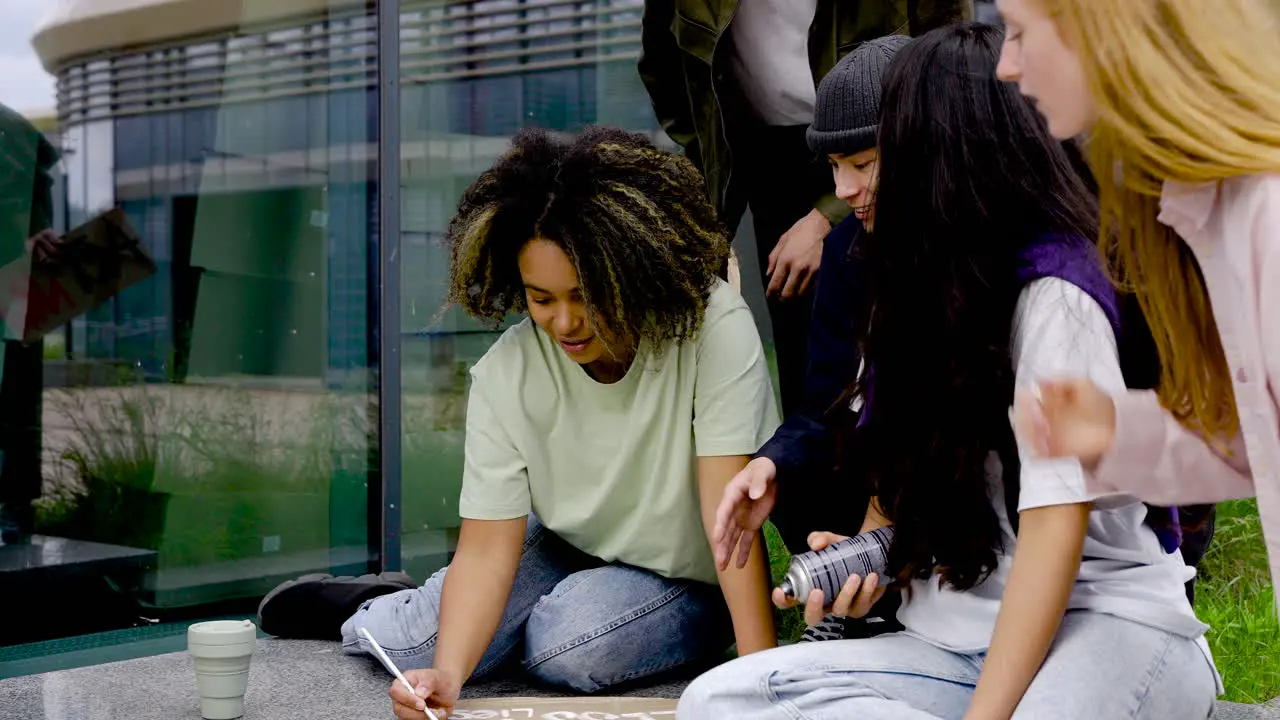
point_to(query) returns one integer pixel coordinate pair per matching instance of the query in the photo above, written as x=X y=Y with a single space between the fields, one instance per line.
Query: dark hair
x=634 y=221
x=969 y=176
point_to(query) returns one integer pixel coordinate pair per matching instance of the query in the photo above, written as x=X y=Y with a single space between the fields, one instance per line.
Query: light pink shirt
x=1233 y=228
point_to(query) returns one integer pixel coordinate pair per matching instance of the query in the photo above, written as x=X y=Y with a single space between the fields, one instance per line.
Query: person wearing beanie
x=798 y=458
x=845 y=119
x=733 y=82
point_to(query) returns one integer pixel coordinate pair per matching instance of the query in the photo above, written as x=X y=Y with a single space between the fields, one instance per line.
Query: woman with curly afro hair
x=601 y=431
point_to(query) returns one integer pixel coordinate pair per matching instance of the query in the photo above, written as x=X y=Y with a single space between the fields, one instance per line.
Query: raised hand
x=1065 y=418
x=748 y=499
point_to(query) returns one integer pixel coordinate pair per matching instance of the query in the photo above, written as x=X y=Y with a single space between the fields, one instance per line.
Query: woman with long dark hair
x=1023 y=594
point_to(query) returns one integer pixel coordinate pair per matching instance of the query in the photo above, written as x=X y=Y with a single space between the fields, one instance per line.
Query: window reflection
x=211 y=425
x=218 y=416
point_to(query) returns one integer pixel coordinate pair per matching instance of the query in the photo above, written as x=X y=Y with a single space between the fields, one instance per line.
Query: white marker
x=391 y=667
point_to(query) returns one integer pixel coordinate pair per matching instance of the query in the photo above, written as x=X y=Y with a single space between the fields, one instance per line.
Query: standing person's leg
x=1102 y=666
x=406 y=623
x=616 y=623
x=1196 y=540
x=891 y=677
x=784 y=182
x=21 y=476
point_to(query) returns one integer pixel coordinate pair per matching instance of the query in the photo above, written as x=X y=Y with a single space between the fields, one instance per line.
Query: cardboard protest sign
x=81 y=270
x=575 y=708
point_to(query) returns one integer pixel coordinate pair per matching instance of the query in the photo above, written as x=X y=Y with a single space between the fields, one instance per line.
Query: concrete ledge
x=289 y=679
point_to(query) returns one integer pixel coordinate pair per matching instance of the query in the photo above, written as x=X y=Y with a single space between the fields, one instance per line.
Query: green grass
x=790 y=623
x=1233 y=596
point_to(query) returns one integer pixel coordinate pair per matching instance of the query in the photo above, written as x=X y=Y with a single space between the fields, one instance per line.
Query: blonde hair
x=1186 y=91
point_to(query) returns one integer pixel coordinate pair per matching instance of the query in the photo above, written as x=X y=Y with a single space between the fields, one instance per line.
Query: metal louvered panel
x=439 y=42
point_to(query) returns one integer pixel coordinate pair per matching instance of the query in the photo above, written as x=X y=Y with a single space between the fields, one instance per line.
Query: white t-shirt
x=771 y=58
x=612 y=468
x=1059 y=331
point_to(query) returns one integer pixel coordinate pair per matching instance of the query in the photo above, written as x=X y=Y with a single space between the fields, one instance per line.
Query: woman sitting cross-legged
x=601 y=431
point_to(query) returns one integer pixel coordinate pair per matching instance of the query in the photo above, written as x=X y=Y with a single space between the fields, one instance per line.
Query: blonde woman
x=1179 y=103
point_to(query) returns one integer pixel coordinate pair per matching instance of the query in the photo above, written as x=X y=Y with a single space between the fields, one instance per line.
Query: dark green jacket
x=26 y=181
x=685 y=64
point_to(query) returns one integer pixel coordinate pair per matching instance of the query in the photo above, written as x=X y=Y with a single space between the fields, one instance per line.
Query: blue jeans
x=572 y=620
x=1100 y=668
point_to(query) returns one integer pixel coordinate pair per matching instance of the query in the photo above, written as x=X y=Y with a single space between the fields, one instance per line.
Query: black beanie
x=846 y=111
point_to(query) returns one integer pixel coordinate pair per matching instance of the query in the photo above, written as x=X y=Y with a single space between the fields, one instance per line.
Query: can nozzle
x=787 y=588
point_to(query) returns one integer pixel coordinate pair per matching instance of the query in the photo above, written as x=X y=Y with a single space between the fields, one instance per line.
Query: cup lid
x=222 y=632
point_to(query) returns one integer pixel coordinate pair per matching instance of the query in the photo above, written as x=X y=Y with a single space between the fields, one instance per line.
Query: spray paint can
x=829 y=568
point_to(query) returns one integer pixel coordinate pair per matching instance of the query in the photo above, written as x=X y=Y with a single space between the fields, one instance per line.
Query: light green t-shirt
x=612 y=468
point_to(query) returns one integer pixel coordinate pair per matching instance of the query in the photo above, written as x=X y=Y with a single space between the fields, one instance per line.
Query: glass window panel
x=242 y=125
x=553 y=99
x=198 y=132
x=100 y=143
x=620 y=98
x=436 y=108
x=317 y=122
x=287 y=124
x=132 y=147
x=73 y=161
x=209 y=424
x=353 y=116
x=342 y=113
x=158 y=139
x=177 y=166
x=496 y=105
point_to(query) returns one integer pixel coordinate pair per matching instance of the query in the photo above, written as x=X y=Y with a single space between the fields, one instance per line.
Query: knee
x=705 y=697
x=379 y=615
x=404 y=623
x=560 y=650
x=568 y=669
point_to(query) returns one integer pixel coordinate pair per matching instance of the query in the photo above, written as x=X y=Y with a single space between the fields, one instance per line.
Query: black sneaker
x=832 y=628
x=847 y=628
x=313 y=607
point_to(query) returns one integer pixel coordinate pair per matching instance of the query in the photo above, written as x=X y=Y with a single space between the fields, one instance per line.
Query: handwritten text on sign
x=531 y=714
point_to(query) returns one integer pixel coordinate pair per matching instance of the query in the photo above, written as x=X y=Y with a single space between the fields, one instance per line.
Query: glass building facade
x=282 y=391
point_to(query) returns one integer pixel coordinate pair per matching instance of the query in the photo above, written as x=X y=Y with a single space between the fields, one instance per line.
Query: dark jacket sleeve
x=663 y=75
x=803 y=446
x=26 y=181
x=926 y=15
